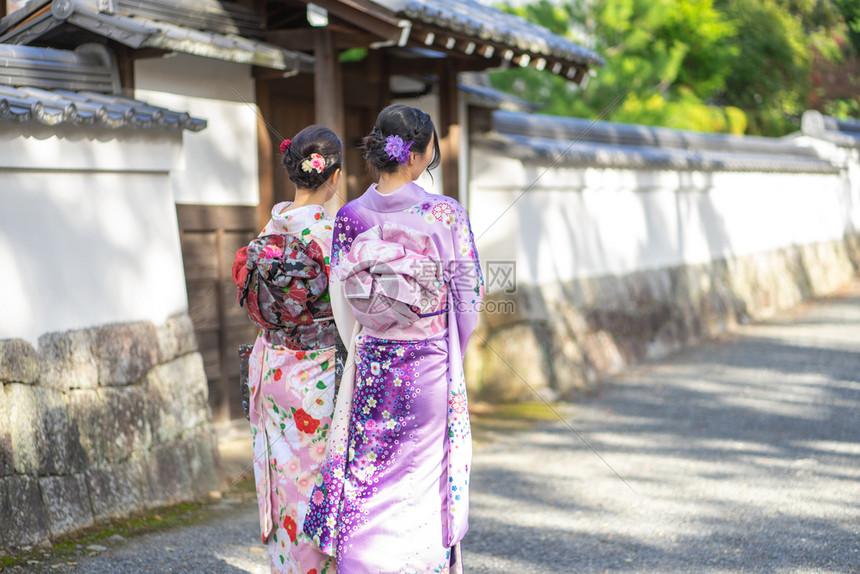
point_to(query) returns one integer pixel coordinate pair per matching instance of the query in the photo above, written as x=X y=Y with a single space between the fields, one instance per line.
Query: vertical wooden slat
x=224 y=352
x=210 y=236
x=378 y=76
x=125 y=67
x=449 y=128
x=328 y=99
x=265 y=147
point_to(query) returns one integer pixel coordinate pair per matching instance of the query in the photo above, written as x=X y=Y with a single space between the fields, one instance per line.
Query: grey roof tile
x=472 y=18
x=579 y=142
x=842 y=132
x=209 y=28
x=75 y=88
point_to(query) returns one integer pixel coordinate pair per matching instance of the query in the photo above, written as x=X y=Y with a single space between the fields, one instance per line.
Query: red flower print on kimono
x=290 y=527
x=458 y=402
x=305 y=422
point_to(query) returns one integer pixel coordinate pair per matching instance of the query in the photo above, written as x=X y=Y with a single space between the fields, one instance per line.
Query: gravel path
x=738 y=456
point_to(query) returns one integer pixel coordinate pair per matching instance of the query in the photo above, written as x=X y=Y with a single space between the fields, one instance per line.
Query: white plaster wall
x=848 y=160
x=569 y=223
x=88 y=230
x=219 y=164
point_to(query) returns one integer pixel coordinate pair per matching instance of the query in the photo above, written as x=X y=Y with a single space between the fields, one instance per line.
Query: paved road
x=741 y=455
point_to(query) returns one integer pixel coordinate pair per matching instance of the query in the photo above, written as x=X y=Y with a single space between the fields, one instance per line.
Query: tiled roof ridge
x=78 y=88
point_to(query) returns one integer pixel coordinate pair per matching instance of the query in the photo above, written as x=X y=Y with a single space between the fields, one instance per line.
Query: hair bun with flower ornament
x=315 y=162
x=285 y=145
x=397 y=149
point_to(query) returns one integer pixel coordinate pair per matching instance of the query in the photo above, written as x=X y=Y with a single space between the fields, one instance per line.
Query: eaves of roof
x=157 y=24
x=510 y=36
x=76 y=88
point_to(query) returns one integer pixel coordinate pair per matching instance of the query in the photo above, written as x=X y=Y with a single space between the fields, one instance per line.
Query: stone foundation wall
x=556 y=340
x=99 y=423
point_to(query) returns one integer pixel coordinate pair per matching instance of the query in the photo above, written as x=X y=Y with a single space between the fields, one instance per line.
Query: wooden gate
x=210 y=236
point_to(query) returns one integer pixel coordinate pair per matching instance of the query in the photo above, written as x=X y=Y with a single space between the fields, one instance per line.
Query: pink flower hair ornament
x=396 y=149
x=315 y=162
x=285 y=145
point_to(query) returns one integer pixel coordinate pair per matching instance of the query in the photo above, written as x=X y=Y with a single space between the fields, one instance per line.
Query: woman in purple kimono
x=406 y=285
x=282 y=278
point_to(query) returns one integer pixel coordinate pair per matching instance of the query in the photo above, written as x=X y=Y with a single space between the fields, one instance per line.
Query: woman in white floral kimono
x=282 y=278
x=406 y=287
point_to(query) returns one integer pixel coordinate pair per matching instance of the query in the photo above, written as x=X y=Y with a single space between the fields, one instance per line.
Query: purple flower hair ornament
x=397 y=149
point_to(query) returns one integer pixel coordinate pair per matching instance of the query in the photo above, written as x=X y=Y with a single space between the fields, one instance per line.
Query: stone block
x=43 y=440
x=602 y=355
x=125 y=427
x=110 y=422
x=607 y=292
x=500 y=310
x=7 y=460
x=176 y=338
x=169 y=474
x=852 y=247
x=567 y=363
x=23 y=515
x=202 y=448
x=19 y=362
x=87 y=414
x=67 y=502
x=67 y=361
x=177 y=396
x=118 y=489
x=828 y=266
x=124 y=352
x=514 y=365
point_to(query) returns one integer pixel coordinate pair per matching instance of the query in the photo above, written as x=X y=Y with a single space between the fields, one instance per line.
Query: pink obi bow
x=391 y=276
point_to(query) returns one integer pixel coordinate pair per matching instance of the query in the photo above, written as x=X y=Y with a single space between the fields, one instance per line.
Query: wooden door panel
x=210 y=236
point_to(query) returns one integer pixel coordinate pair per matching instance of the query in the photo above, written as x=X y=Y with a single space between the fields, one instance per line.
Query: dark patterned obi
x=283 y=284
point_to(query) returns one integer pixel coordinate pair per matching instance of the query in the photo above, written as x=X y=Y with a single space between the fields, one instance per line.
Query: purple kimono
x=392 y=495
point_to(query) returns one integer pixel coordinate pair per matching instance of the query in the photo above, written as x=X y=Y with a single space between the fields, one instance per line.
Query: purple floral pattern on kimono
x=393 y=492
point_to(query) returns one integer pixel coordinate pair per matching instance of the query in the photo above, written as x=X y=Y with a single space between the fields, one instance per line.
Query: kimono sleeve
x=342 y=311
x=345 y=230
x=467 y=280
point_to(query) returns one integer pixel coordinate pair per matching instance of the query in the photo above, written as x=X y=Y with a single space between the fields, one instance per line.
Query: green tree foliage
x=850 y=11
x=740 y=66
x=663 y=58
x=769 y=79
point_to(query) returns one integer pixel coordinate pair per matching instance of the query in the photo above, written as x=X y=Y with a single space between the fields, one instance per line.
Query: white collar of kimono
x=401 y=198
x=298 y=218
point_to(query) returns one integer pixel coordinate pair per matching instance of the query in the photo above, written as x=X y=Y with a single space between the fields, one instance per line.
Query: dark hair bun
x=313 y=140
x=411 y=124
x=374 y=150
